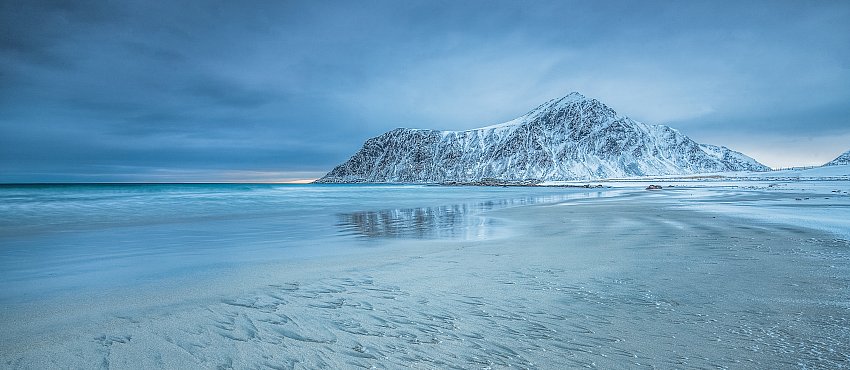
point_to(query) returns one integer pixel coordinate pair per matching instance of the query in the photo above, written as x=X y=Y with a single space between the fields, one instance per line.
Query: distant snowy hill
x=842 y=159
x=838 y=171
x=570 y=138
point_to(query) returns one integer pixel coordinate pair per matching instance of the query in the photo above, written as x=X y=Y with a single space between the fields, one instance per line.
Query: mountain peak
x=558 y=104
x=567 y=138
x=575 y=95
x=572 y=97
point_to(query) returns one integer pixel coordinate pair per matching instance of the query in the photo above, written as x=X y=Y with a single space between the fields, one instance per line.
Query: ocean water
x=386 y=276
x=60 y=238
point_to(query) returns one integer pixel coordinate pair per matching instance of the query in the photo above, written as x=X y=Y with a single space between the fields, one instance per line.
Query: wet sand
x=633 y=281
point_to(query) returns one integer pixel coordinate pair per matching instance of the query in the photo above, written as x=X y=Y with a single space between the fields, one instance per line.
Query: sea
x=56 y=238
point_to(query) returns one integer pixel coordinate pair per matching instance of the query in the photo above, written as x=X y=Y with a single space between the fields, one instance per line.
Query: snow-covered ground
x=822 y=173
x=816 y=197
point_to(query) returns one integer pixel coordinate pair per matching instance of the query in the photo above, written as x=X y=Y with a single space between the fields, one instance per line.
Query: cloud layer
x=208 y=90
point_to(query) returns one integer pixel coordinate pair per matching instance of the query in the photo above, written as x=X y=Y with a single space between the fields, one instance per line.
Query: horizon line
x=291 y=182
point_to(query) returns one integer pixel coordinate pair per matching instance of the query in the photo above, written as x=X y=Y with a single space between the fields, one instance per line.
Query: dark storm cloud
x=205 y=88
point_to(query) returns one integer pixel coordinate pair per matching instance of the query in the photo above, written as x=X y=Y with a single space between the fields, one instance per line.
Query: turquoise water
x=61 y=238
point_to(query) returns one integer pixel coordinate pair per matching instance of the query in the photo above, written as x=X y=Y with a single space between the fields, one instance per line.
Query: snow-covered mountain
x=844 y=158
x=570 y=138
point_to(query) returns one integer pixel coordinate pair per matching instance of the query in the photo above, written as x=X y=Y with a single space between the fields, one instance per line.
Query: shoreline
x=633 y=280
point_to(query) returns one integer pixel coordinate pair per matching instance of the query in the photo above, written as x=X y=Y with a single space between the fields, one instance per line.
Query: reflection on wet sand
x=458 y=221
x=421 y=223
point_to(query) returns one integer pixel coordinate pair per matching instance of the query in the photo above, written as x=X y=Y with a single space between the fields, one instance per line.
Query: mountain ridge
x=843 y=158
x=567 y=138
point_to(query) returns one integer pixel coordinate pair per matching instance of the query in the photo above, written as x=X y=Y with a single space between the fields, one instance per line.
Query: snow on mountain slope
x=842 y=159
x=569 y=138
x=737 y=159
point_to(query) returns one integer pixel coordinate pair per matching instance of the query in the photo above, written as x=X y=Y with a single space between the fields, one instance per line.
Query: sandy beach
x=630 y=281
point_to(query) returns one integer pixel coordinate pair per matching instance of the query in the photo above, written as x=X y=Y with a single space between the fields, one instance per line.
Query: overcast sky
x=272 y=90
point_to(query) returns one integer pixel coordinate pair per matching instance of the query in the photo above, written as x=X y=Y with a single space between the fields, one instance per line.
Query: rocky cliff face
x=571 y=138
x=844 y=158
